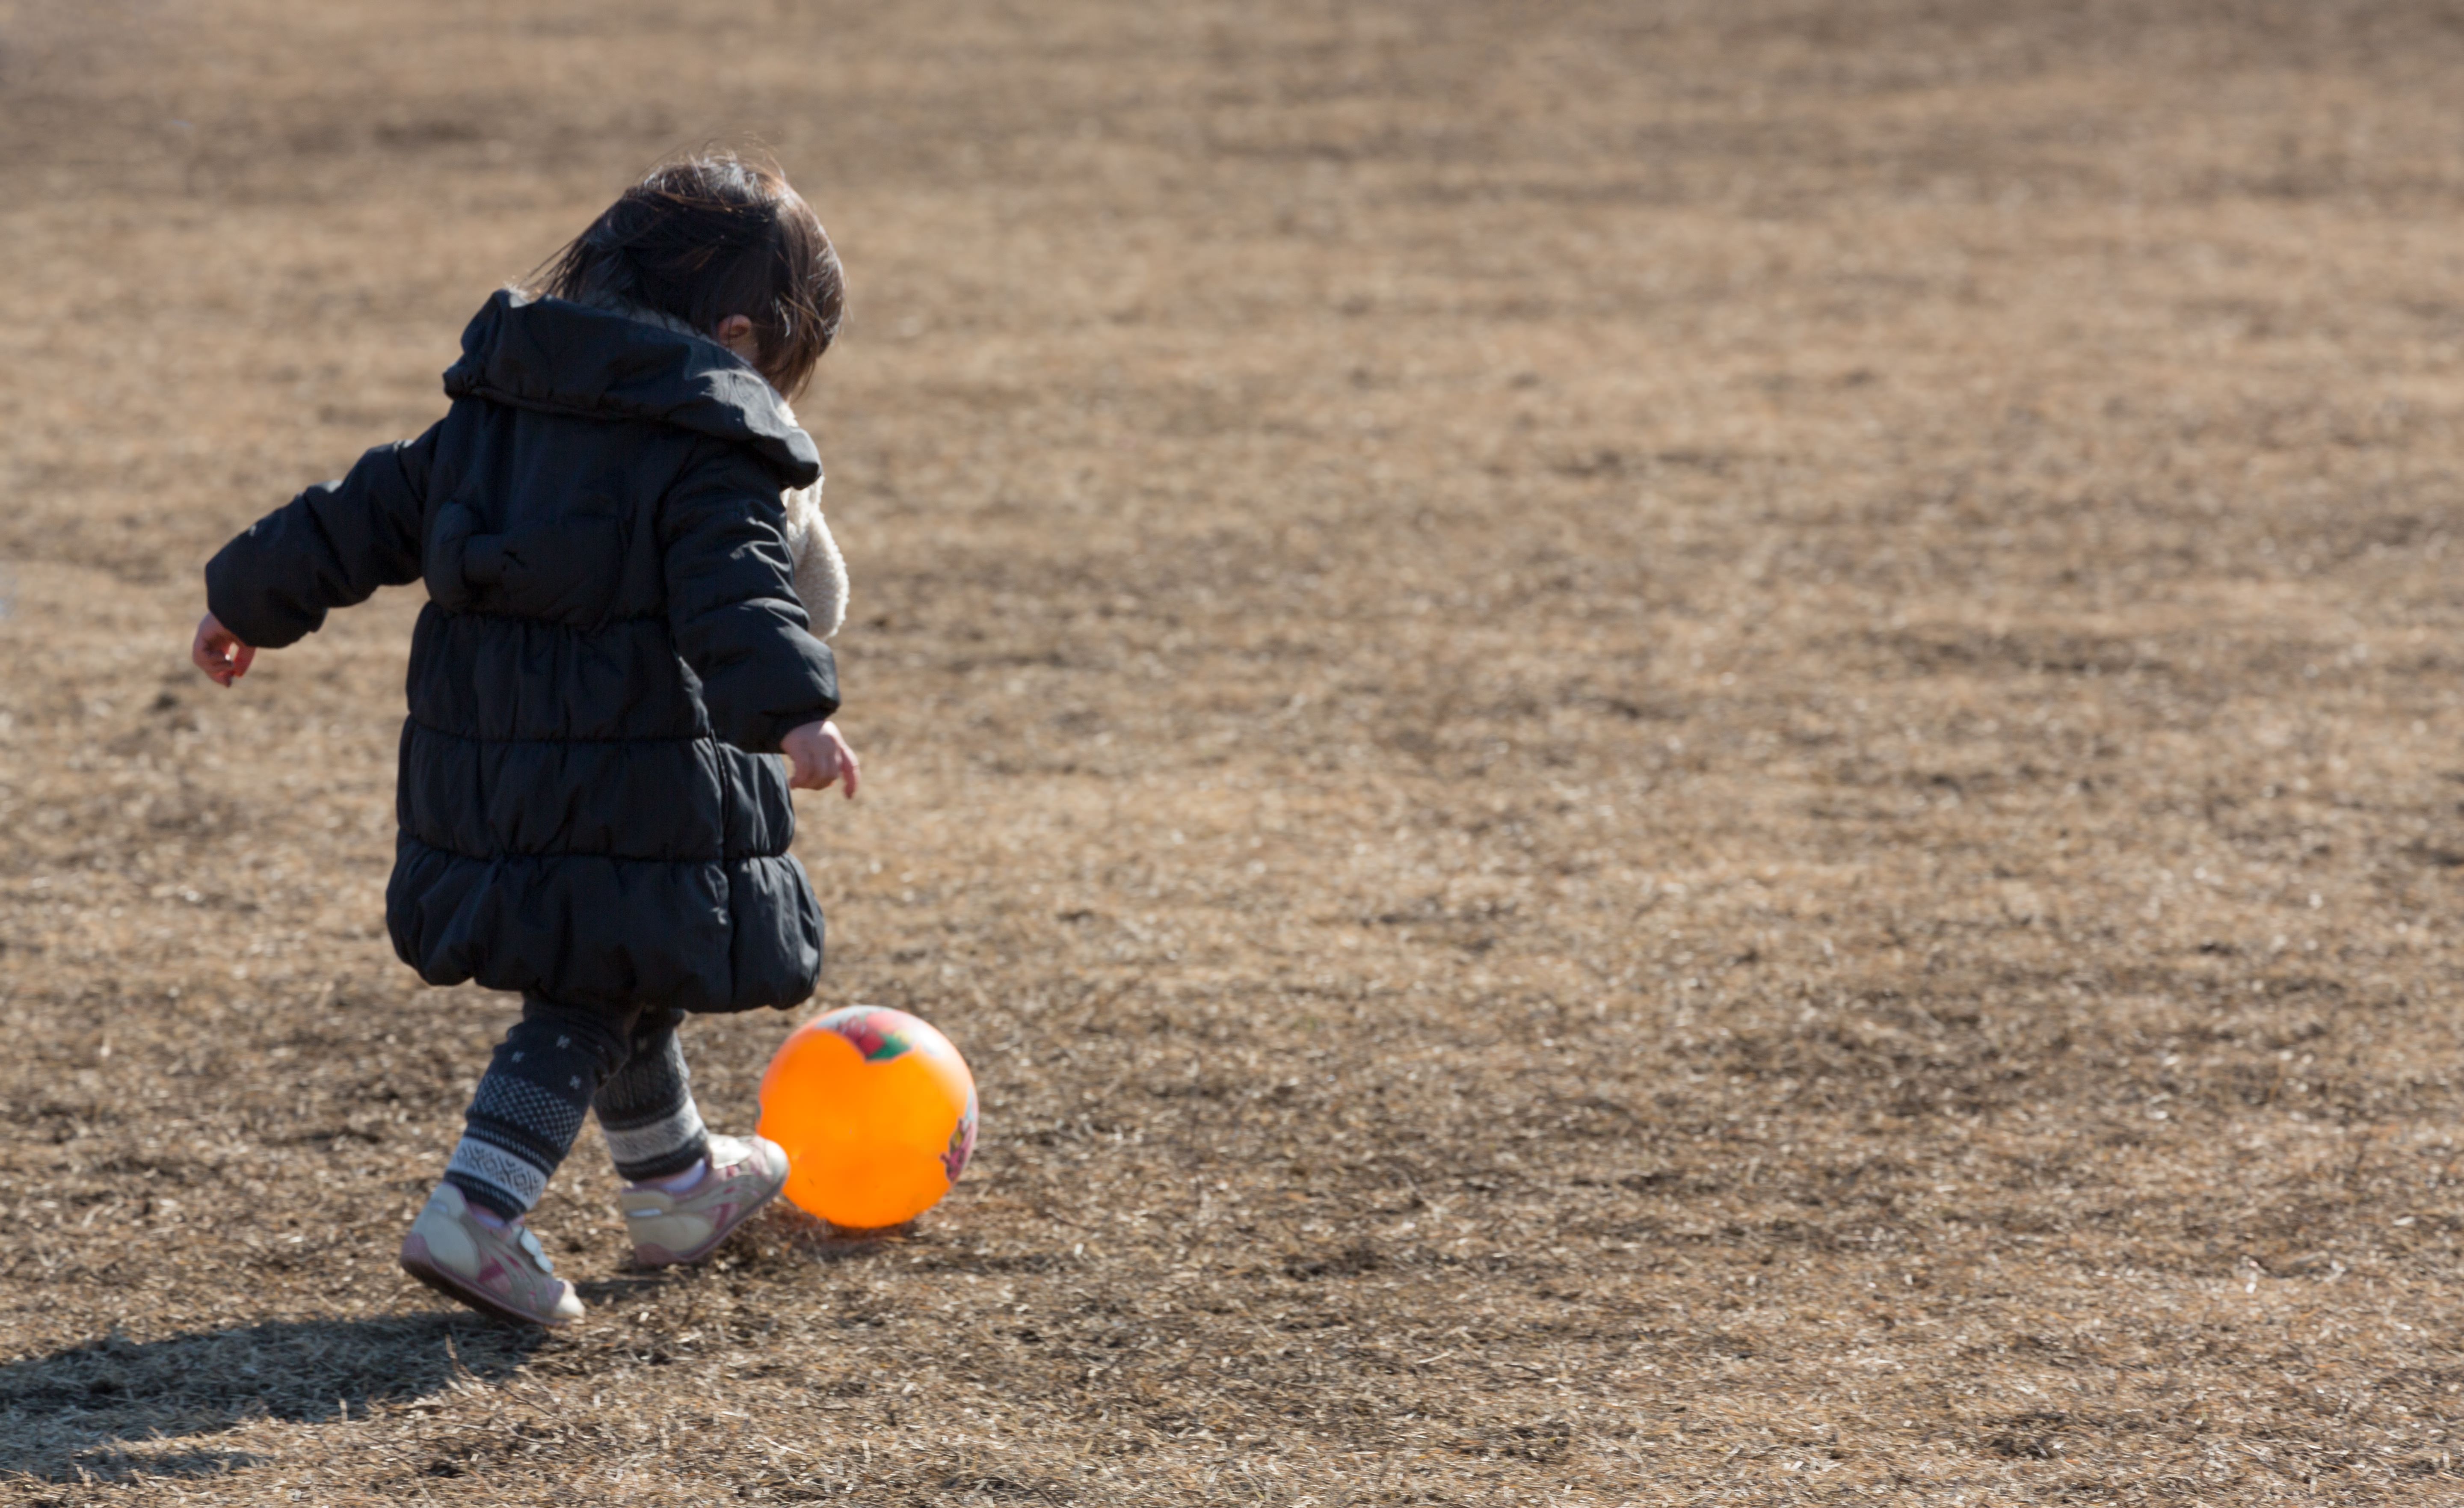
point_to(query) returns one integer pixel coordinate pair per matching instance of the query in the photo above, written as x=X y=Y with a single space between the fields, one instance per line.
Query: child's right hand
x=221 y=656
x=820 y=755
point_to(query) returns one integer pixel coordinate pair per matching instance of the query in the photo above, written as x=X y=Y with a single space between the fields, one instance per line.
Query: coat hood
x=560 y=357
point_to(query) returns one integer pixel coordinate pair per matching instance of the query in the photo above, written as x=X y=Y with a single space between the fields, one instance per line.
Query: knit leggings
x=557 y=1064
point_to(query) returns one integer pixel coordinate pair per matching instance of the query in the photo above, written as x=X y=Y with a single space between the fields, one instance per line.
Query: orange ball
x=877 y=1114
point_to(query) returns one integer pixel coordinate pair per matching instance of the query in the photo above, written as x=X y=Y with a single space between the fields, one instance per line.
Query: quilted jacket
x=611 y=644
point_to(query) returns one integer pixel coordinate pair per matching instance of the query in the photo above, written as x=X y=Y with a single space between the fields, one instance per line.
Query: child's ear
x=735 y=333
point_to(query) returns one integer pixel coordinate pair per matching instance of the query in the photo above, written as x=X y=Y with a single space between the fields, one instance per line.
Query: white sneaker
x=739 y=1175
x=496 y=1270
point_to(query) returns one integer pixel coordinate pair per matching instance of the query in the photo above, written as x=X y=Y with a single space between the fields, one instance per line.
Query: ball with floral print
x=876 y=1111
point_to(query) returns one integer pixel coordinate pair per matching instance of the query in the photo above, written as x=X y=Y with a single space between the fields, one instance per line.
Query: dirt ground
x=1695 y=751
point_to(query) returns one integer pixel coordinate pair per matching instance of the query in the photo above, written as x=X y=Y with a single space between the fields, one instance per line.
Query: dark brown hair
x=706 y=237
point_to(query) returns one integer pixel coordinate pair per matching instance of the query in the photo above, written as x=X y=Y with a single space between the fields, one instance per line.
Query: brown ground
x=1656 y=753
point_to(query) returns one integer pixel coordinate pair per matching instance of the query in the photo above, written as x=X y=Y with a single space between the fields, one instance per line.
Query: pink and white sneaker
x=496 y=1270
x=738 y=1176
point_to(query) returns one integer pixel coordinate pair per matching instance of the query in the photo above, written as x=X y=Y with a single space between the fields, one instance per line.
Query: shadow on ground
x=114 y=1407
x=811 y=1238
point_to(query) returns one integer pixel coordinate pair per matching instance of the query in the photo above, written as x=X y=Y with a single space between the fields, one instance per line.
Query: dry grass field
x=1692 y=751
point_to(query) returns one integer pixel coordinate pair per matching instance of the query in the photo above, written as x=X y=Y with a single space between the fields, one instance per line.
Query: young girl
x=608 y=521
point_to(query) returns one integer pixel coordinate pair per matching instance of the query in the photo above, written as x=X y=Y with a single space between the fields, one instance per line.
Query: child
x=609 y=519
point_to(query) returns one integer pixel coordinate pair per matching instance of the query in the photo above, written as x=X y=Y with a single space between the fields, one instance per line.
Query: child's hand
x=821 y=756
x=221 y=656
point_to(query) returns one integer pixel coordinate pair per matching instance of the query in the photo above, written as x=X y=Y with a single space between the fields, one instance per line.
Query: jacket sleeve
x=732 y=605
x=331 y=546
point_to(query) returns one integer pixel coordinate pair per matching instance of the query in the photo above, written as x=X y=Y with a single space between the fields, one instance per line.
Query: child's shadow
x=113 y=1408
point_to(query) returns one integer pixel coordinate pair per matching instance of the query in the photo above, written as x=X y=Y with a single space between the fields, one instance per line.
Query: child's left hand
x=219 y=653
x=820 y=755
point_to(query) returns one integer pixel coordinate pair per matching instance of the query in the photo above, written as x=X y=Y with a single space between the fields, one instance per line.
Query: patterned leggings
x=558 y=1064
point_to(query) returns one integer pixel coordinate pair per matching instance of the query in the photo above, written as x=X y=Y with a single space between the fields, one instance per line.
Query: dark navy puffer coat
x=611 y=644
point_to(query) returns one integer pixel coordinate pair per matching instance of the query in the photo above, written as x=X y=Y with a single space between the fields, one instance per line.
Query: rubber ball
x=877 y=1112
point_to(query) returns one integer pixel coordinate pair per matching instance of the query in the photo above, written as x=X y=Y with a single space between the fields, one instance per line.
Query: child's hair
x=706 y=237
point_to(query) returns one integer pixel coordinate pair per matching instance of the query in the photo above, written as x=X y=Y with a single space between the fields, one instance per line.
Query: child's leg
x=531 y=1101
x=469 y=1242
x=686 y=1190
x=646 y=1107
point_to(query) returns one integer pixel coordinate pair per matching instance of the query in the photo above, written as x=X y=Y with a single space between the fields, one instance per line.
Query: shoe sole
x=416 y=1261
